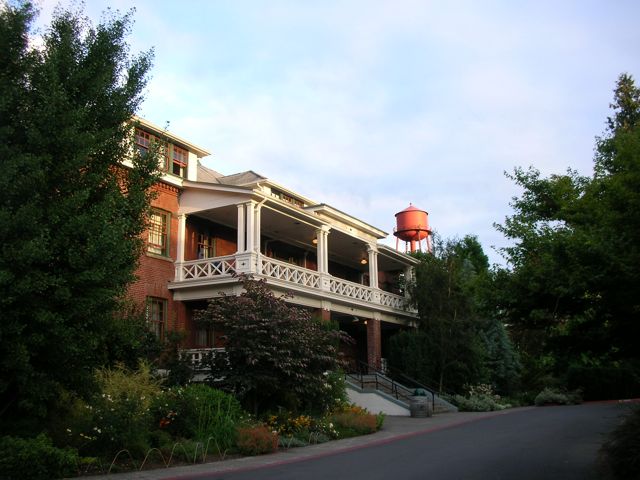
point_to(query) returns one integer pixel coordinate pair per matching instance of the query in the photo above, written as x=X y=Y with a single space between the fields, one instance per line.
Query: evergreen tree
x=71 y=217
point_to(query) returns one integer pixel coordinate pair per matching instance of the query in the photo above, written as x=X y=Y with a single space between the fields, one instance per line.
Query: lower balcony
x=301 y=281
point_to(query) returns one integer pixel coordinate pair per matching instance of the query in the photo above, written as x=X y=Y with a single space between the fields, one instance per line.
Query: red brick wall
x=374 y=342
x=154 y=273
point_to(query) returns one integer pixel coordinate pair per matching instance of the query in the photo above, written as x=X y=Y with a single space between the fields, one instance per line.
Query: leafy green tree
x=448 y=327
x=459 y=340
x=71 y=216
x=572 y=290
x=275 y=353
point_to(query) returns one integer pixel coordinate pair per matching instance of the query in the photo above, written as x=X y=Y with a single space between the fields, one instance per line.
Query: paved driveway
x=530 y=443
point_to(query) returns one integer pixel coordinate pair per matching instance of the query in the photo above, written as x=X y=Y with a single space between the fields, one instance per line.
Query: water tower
x=412 y=225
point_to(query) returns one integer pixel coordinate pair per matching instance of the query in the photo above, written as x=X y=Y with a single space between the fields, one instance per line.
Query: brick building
x=206 y=226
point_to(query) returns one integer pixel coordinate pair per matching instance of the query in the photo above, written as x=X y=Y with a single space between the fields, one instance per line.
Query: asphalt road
x=540 y=443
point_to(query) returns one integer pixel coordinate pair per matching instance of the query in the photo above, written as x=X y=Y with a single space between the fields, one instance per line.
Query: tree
x=450 y=352
x=71 y=217
x=459 y=340
x=572 y=290
x=275 y=353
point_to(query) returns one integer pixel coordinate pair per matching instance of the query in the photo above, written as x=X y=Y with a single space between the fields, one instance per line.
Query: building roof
x=208 y=175
x=243 y=178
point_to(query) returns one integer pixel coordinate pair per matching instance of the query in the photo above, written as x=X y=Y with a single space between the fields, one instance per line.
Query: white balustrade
x=197 y=355
x=391 y=300
x=350 y=289
x=208 y=268
x=289 y=273
x=229 y=265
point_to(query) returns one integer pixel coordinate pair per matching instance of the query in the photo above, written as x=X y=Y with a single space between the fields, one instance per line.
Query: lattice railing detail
x=351 y=290
x=208 y=268
x=289 y=273
x=391 y=300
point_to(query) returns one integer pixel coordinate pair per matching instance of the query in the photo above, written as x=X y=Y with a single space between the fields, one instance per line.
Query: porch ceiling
x=343 y=248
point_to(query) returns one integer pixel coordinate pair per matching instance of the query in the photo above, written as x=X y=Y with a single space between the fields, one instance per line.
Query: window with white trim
x=158 y=233
x=157 y=316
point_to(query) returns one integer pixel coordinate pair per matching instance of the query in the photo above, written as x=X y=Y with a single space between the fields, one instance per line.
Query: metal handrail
x=395 y=387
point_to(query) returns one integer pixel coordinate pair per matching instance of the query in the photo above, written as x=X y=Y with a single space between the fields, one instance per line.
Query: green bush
x=622 y=449
x=121 y=417
x=480 y=398
x=331 y=393
x=550 y=396
x=199 y=412
x=35 y=459
x=256 y=440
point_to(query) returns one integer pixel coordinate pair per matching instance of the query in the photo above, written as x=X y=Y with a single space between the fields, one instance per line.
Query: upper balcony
x=323 y=263
x=299 y=280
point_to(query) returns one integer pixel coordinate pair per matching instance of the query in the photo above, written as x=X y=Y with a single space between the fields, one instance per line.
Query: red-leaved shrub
x=256 y=440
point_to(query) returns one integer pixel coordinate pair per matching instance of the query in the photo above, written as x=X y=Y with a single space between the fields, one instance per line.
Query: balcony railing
x=207 y=268
x=391 y=300
x=305 y=279
x=351 y=290
x=289 y=273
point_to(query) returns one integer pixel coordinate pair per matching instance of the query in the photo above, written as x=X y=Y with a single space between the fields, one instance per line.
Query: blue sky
x=370 y=105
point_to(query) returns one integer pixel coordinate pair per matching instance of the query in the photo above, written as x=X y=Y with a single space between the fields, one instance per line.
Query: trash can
x=420 y=404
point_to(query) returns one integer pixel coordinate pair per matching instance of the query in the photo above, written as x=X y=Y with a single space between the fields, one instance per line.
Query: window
x=206 y=246
x=143 y=141
x=158 y=240
x=176 y=159
x=204 y=337
x=179 y=161
x=157 y=316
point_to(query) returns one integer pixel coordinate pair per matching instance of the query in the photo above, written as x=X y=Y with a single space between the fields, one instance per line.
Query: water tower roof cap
x=410 y=208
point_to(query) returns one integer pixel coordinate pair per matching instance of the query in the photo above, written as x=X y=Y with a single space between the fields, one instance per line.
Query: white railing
x=289 y=273
x=209 y=268
x=351 y=290
x=197 y=355
x=391 y=300
x=220 y=267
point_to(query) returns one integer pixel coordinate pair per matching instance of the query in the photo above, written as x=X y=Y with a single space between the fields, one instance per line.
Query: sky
x=371 y=105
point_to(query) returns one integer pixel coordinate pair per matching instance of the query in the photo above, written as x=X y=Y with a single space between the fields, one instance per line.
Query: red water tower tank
x=412 y=225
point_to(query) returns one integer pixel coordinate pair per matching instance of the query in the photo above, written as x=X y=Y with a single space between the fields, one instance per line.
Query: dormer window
x=179 y=158
x=175 y=158
x=143 y=141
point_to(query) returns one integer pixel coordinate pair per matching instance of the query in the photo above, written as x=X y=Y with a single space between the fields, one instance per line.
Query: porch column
x=256 y=241
x=182 y=226
x=373 y=266
x=241 y=231
x=251 y=226
x=374 y=342
x=323 y=249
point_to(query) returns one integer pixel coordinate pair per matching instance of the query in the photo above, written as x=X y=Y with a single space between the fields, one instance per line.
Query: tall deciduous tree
x=71 y=217
x=452 y=352
x=459 y=340
x=572 y=292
